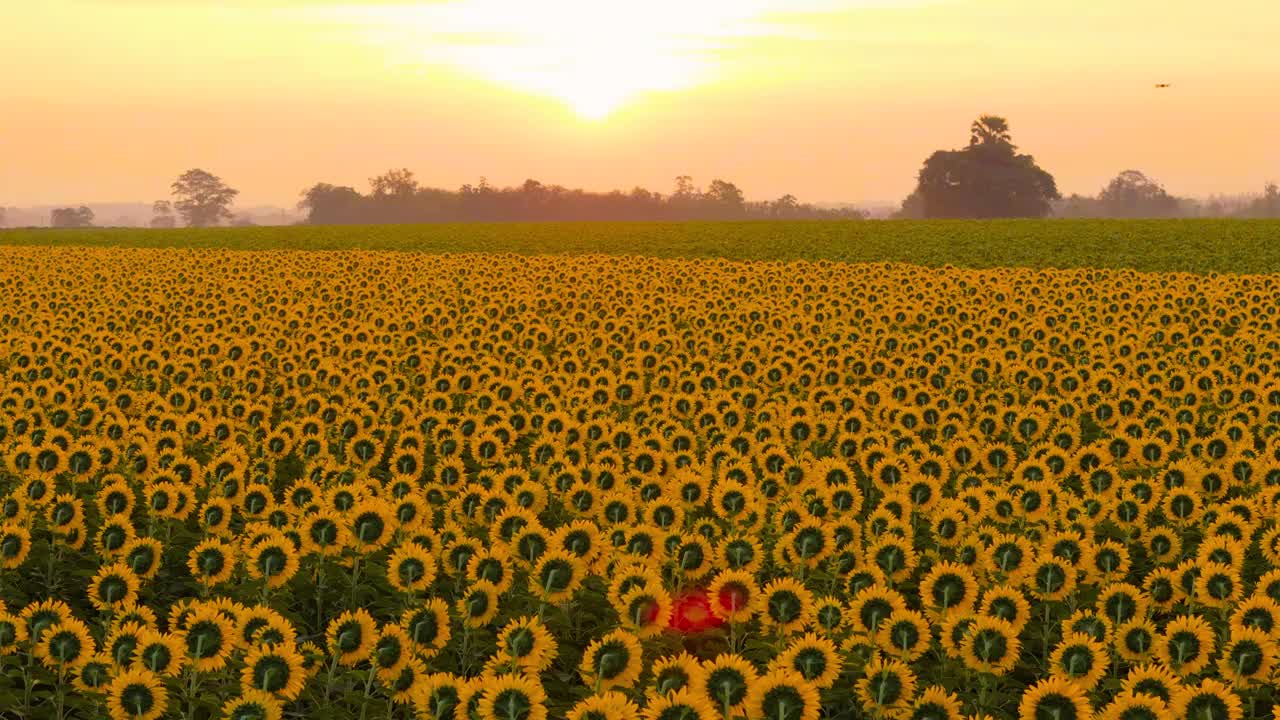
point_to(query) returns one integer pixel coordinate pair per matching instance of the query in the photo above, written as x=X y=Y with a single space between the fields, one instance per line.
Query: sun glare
x=595 y=56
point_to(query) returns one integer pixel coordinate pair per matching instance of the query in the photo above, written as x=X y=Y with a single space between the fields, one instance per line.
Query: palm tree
x=990 y=130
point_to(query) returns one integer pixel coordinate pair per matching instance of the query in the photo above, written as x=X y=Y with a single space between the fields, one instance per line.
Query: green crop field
x=1242 y=246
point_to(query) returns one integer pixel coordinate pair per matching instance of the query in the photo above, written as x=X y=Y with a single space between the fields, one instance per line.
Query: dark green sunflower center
x=204 y=639
x=612 y=660
x=991 y=646
x=137 y=698
x=156 y=657
x=885 y=687
x=811 y=663
x=271 y=673
x=783 y=703
x=1054 y=706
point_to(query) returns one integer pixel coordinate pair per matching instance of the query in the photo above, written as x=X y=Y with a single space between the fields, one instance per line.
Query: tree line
x=397 y=197
x=987 y=178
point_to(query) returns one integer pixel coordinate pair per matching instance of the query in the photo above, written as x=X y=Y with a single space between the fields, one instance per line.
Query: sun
x=594 y=56
x=590 y=103
x=592 y=75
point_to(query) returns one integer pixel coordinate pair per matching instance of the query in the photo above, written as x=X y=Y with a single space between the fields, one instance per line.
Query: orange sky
x=832 y=100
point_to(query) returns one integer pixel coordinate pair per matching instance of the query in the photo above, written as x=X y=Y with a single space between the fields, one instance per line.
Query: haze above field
x=827 y=99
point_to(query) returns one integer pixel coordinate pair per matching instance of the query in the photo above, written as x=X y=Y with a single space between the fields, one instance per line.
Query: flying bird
x=1163 y=85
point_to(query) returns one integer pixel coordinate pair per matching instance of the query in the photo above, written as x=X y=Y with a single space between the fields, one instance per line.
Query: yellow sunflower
x=612 y=661
x=783 y=695
x=605 y=706
x=1129 y=705
x=479 y=604
x=113 y=586
x=1209 y=699
x=411 y=568
x=208 y=637
x=1186 y=645
x=786 y=606
x=904 y=635
x=253 y=705
x=726 y=681
x=887 y=686
x=351 y=636
x=160 y=653
x=676 y=672
x=1080 y=659
x=65 y=646
x=1248 y=657
x=991 y=645
x=428 y=626
x=212 y=562
x=136 y=694
x=274 y=669
x=1055 y=697
x=528 y=644
x=513 y=697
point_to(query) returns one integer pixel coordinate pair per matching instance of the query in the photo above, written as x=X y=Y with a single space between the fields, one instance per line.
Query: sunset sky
x=831 y=100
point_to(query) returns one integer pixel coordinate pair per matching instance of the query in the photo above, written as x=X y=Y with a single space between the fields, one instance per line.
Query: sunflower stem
x=27 y=684
x=191 y=679
x=62 y=691
x=368 y=689
x=320 y=594
x=333 y=669
x=355 y=580
x=48 y=578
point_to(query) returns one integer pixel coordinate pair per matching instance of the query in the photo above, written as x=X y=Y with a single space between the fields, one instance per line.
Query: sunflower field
x=354 y=484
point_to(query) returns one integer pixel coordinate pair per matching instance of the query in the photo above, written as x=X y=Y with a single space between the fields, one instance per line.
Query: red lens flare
x=691 y=613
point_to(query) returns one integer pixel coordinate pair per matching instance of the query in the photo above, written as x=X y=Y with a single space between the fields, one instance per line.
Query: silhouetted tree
x=1131 y=194
x=1267 y=206
x=987 y=179
x=726 y=198
x=394 y=183
x=71 y=217
x=202 y=198
x=327 y=204
x=784 y=207
x=162 y=211
x=990 y=131
x=685 y=189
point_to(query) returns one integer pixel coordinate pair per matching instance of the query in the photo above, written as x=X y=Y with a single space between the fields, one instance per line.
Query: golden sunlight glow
x=837 y=100
x=593 y=55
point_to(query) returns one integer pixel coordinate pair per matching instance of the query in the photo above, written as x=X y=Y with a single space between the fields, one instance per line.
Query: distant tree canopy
x=397 y=197
x=332 y=205
x=1133 y=194
x=1267 y=206
x=79 y=217
x=162 y=214
x=987 y=179
x=202 y=198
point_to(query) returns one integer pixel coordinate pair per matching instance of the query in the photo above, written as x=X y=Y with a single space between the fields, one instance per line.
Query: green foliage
x=1202 y=246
